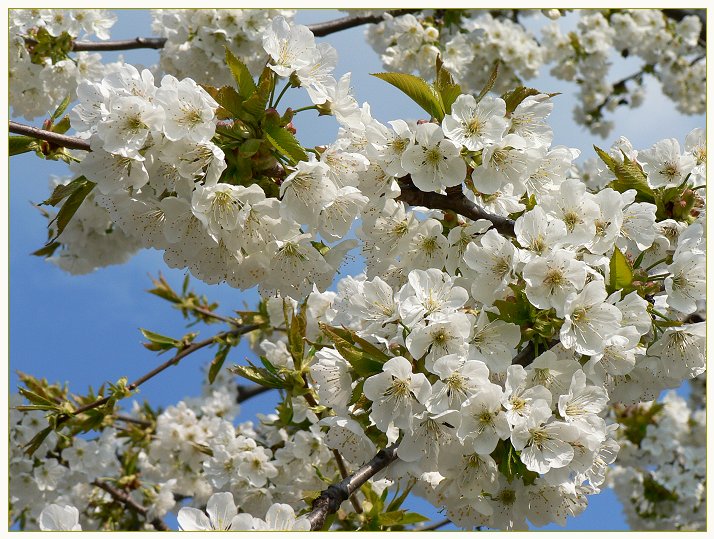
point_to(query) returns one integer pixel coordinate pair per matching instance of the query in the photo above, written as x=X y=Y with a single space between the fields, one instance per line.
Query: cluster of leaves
x=256 y=140
x=42 y=45
x=19 y=144
x=679 y=203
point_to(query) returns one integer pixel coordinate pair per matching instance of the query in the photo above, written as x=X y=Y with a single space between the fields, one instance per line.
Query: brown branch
x=171 y=362
x=73 y=143
x=248 y=392
x=457 y=202
x=433 y=526
x=124 y=498
x=120 y=45
x=320 y=29
x=331 y=498
x=526 y=356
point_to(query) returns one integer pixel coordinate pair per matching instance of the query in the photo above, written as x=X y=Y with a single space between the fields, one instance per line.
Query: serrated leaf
x=241 y=74
x=417 y=89
x=37 y=440
x=620 y=271
x=71 y=205
x=20 y=144
x=36 y=398
x=286 y=143
x=445 y=86
x=490 y=83
x=400 y=518
x=63 y=191
x=628 y=175
x=217 y=363
x=516 y=97
x=256 y=103
x=260 y=376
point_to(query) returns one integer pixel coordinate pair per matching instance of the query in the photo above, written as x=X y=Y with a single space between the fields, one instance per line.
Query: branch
x=457 y=202
x=124 y=498
x=526 y=356
x=331 y=498
x=248 y=392
x=433 y=526
x=73 y=143
x=320 y=29
x=171 y=362
x=120 y=45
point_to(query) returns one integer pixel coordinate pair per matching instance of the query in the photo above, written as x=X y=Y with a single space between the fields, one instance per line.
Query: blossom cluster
x=664 y=470
x=196 y=40
x=41 y=73
x=469 y=47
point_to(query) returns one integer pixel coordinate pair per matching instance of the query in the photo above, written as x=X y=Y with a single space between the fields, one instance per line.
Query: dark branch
x=321 y=29
x=124 y=498
x=526 y=356
x=330 y=27
x=248 y=392
x=171 y=362
x=433 y=526
x=120 y=45
x=457 y=202
x=331 y=498
x=73 y=143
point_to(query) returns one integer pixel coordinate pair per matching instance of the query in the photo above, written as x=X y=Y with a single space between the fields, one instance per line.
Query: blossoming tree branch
x=519 y=313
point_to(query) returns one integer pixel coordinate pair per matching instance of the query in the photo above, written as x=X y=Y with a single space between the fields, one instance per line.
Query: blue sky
x=84 y=330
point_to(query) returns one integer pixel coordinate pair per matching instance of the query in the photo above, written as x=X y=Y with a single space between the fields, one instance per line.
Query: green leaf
x=62 y=107
x=445 y=86
x=256 y=104
x=62 y=126
x=37 y=399
x=262 y=377
x=241 y=74
x=417 y=89
x=296 y=337
x=490 y=83
x=400 y=518
x=21 y=144
x=37 y=440
x=63 y=191
x=620 y=271
x=159 y=342
x=72 y=204
x=628 y=175
x=516 y=97
x=217 y=363
x=286 y=143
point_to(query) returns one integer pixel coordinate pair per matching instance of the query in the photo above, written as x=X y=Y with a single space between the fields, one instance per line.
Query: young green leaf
x=241 y=74
x=21 y=144
x=286 y=143
x=217 y=363
x=63 y=191
x=417 y=89
x=445 y=86
x=491 y=82
x=72 y=204
x=62 y=107
x=620 y=271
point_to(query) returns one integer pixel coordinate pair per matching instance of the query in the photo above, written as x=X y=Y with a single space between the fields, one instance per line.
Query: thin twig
x=331 y=498
x=124 y=498
x=65 y=141
x=171 y=362
x=434 y=526
x=457 y=202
